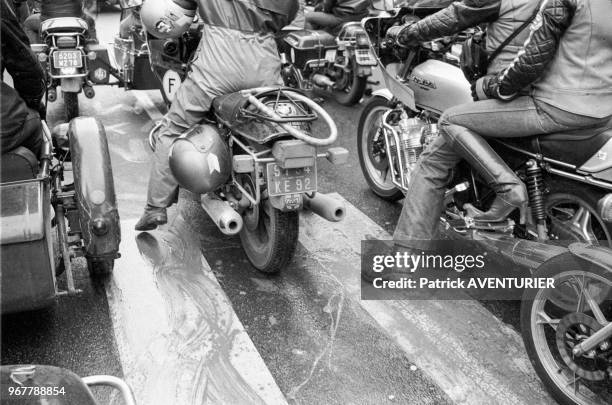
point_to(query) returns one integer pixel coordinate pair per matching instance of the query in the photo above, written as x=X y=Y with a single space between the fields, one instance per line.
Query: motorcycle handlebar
x=293 y=131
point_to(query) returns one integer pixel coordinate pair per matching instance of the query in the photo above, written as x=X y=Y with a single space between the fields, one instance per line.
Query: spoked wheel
x=71 y=105
x=572 y=215
x=372 y=151
x=269 y=236
x=350 y=85
x=550 y=332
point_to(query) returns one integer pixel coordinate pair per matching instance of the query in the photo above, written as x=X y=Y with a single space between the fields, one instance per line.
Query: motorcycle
x=37 y=384
x=40 y=210
x=70 y=62
x=567 y=175
x=316 y=59
x=143 y=62
x=263 y=160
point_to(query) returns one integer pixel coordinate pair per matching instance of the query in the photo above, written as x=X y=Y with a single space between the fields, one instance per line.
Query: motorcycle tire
x=564 y=394
x=355 y=91
x=388 y=192
x=100 y=268
x=270 y=243
x=71 y=105
x=565 y=191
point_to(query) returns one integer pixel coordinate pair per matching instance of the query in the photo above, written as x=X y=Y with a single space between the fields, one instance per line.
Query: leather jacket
x=502 y=17
x=19 y=60
x=567 y=58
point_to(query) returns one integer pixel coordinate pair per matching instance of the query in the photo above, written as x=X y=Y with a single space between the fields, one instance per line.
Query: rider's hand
x=485 y=88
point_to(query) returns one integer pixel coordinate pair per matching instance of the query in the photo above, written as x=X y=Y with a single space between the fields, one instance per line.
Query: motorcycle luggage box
x=303 y=46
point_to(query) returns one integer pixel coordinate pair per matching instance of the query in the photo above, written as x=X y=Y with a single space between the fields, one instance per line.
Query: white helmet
x=167 y=18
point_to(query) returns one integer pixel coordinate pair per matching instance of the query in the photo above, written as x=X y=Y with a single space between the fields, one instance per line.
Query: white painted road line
x=179 y=340
x=466 y=350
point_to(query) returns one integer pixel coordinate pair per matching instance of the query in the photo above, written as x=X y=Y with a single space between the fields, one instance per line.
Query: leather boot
x=510 y=190
x=151 y=219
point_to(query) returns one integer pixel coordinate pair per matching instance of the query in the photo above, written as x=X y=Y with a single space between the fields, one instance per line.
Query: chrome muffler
x=225 y=217
x=325 y=207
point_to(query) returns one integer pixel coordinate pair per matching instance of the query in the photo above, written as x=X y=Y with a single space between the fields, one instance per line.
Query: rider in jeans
x=237 y=51
x=331 y=14
x=565 y=67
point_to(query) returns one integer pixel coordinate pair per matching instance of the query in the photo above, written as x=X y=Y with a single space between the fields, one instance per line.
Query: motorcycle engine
x=414 y=134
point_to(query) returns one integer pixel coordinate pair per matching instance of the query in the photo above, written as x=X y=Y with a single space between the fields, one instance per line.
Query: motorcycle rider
x=20 y=106
x=331 y=14
x=237 y=51
x=566 y=66
x=55 y=9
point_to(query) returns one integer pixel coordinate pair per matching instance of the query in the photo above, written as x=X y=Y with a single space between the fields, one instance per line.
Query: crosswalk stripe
x=473 y=356
x=179 y=340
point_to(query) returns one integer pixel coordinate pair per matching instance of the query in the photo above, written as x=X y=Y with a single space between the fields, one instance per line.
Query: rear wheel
x=269 y=236
x=71 y=105
x=372 y=151
x=572 y=213
x=351 y=86
x=99 y=268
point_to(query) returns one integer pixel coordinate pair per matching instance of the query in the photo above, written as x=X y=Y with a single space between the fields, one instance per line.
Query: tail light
x=66 y=42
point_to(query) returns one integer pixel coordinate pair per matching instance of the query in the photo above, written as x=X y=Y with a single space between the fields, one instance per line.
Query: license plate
x=67 y=59
x=291 y=181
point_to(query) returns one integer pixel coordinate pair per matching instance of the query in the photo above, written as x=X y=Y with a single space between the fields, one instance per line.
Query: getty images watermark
x=455 y=270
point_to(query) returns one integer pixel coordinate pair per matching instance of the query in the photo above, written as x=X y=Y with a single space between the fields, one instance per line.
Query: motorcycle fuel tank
x=438 y=85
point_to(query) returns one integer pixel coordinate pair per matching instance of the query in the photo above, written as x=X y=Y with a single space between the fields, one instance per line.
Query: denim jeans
x=524 y=116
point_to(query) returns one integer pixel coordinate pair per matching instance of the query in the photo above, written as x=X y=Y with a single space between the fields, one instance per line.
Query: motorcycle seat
x=572 y=147
x=18 y=164
x=228 y=106
x=63 y=24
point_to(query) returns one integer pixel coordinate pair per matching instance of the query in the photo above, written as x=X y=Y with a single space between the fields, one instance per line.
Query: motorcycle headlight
x=604 y=207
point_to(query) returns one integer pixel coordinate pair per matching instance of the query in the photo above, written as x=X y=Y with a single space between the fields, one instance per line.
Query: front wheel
x=372 y=151
x=269 y=237
x=71 y=105
x=550 y=331
x=350 y=86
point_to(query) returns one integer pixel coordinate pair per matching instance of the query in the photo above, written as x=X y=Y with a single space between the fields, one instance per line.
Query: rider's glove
x=407 y=36
x=488 y=87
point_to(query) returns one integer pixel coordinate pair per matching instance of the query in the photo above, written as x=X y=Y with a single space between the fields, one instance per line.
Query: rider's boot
x=151 y=219
x=510 y=190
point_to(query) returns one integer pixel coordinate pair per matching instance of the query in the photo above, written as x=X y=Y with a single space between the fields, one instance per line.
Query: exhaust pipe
x=325 y=207
x=227 y=220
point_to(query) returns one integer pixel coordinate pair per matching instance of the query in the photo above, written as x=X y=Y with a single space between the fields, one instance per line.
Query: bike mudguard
x=598 y=255
x=384 y=93
x=94 y=188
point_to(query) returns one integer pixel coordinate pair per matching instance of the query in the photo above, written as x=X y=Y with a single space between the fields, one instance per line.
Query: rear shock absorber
x=535 y=190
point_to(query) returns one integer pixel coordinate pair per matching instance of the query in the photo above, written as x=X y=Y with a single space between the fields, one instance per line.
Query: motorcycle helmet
x=200 y=159
x=167 y=18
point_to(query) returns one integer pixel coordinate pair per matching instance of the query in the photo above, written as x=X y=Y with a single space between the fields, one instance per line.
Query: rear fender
x=94 y=188
x=71 y=84
x=384 y=93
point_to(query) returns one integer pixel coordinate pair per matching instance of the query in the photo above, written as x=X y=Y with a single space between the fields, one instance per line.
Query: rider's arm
x=19 y=60
x=540 y=48
x=451 y=20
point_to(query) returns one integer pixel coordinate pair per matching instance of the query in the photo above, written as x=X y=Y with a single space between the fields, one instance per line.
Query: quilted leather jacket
x=502 y=17
x=567 y=58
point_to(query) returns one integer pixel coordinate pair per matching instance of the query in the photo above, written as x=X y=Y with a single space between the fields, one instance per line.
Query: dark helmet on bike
x=167 y=18
x=200 y=160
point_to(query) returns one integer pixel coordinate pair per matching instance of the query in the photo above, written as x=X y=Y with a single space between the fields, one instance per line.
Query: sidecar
x=45 y=223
